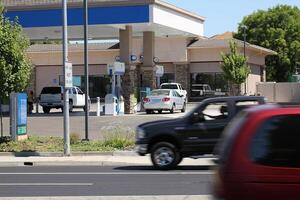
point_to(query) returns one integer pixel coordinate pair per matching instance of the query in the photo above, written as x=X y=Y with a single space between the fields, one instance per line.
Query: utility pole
x=86 y=69
x=66 y=89
x=245 y=35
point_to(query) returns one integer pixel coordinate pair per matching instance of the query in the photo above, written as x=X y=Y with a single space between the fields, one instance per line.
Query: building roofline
x=240 y=44
x=180 y=10
x=15 y=5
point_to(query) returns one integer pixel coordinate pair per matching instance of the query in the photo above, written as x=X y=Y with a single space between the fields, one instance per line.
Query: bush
x=74 y=138
x=113 y=139
x=119 y=138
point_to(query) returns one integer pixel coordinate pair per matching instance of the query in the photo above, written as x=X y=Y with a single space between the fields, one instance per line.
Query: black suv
x=195 y=134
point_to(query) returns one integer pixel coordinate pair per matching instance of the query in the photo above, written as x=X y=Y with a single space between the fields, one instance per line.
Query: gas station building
x=140 y=33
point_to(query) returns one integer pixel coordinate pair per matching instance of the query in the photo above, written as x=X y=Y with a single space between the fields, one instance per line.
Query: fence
x=279 y=92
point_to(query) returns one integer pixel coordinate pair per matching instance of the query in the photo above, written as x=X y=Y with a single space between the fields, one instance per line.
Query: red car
x=259 y=157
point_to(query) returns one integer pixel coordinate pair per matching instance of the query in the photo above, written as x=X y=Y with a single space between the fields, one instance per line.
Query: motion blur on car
x=259 y=155
x=164 y=99
x=193 y=135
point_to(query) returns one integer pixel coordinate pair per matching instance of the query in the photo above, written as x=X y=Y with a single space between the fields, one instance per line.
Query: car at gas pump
x=163 y=99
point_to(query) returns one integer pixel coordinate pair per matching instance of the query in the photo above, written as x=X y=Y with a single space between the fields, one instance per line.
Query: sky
x=225 y=15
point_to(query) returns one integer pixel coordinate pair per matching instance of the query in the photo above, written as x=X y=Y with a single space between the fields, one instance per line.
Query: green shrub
x=74 y=138
x=118 y=138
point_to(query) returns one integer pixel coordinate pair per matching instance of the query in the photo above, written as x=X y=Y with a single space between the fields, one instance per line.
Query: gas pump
x=114 y=102
x=159 y=73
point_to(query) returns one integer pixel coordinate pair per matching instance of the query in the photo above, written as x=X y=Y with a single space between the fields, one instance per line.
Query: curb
x=56 y=154
x=177 y=197
x=65 y=163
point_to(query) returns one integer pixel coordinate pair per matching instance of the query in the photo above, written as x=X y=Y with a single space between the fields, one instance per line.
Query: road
x=52 y=124
x=103 y=181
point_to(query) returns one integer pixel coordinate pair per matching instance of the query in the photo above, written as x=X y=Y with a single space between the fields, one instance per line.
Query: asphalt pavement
x=52 y=124
x=93 y=181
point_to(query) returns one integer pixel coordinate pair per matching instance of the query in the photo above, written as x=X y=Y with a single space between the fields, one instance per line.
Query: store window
x=99 y=85
x=168 y=78
x=276 y=142
x=208 y=81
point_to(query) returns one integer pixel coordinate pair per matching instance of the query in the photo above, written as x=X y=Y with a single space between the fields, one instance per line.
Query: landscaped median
x=115 y=139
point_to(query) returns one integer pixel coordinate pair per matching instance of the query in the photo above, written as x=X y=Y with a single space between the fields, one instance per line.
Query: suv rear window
x=169 y=86
x=197 y=87
x=276 y=142
x=160 y=92
x=51 y=90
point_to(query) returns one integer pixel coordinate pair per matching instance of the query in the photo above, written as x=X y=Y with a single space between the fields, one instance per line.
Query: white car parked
x=52 y=97
x=163 y=99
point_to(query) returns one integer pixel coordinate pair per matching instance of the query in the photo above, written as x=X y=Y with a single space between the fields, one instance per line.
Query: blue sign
x=97 y=16
x=21 y=113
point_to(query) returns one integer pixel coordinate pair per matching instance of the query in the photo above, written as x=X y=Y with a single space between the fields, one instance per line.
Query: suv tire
x=46 y=109
x=165 y=156
x=149 y=111
x=70 y=106
x=183 y=108
x=172 y=109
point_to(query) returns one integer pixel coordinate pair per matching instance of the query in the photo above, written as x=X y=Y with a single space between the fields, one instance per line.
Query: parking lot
x=52 y=124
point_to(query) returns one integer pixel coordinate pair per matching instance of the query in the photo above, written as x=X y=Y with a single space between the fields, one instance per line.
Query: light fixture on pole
x=244 y=27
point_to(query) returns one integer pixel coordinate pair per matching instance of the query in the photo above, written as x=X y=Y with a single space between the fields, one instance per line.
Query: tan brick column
x=182 y=75
x=129 y=84
x=148 y=70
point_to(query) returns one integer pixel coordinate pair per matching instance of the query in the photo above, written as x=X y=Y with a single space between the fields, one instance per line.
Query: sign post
x=67 y=68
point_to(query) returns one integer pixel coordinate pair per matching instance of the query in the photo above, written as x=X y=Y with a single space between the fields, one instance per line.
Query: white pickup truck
x=52 y=97
x=175 y=86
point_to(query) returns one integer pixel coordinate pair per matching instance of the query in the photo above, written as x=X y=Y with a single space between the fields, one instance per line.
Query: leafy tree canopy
x=234 y=65
x=278 y=29
x=15 y=67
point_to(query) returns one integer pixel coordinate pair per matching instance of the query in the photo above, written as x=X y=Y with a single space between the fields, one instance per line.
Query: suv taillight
x=166 y=99
x=146 y=100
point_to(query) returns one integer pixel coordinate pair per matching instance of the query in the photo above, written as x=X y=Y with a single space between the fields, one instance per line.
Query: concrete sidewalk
x=105 y=159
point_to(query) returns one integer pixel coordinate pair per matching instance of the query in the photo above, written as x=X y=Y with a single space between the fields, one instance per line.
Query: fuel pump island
x=114 y=102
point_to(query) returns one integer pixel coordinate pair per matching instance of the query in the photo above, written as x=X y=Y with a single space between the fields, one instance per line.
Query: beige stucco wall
x=55 y=58
x=171 y=49
x=205 y=54
x=214 y=54
x=253 y=79
x=280 y=92
x=205 y=67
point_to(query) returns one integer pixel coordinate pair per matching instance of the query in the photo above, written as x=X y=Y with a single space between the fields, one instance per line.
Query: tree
x=235 y=68
x=278 y=29
x=15 y=67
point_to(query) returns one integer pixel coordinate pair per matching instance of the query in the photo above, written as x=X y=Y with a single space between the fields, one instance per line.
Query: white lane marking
x=108 y=173
x=160 y=197
x=46 y=184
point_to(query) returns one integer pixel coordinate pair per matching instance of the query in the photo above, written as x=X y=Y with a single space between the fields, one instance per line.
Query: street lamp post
x=67 y=150
x=244 y=27
x=86 y=69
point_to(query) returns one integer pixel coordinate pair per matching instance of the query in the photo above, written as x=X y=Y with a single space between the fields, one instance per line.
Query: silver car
x=163 y=99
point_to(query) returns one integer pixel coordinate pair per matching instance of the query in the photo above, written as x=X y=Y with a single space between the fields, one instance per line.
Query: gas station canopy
x=43 y=19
